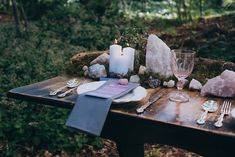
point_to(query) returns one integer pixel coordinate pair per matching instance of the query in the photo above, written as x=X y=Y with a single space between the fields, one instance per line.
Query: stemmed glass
x=182 y=63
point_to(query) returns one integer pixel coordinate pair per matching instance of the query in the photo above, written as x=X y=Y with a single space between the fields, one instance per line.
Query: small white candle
x=122 y=64
x=130 y=52
x=114 y=51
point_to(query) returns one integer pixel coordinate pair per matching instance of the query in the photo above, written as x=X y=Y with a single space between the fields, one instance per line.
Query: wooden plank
x=184 y=114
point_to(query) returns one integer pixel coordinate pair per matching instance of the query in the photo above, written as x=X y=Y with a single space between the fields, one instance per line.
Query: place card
x=112 y=89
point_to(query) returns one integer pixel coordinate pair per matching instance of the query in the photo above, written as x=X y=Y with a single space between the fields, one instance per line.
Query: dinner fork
x=225 y=110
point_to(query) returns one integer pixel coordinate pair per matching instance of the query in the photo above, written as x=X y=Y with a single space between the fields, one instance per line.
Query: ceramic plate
x=136 y=95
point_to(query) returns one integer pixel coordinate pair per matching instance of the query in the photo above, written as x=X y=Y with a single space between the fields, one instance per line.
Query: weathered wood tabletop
x=164 y=122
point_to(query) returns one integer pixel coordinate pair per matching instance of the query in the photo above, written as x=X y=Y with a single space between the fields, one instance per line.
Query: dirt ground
x=110 y=150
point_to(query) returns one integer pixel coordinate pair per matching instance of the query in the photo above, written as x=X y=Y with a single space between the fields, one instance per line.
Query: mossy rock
x=204 y=69
x=76 y=63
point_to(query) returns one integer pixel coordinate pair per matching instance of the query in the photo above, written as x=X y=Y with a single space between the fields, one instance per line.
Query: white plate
x=136 y=95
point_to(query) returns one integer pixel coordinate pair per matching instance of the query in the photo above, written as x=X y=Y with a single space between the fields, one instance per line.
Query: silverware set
x=70 y=86
x=211 y=106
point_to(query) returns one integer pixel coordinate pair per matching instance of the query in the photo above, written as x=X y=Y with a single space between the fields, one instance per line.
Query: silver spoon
x=70 y=84
x=208 y=106
x=68 y=91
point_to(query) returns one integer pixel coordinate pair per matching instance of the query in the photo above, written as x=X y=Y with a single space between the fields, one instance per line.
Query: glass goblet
x=182 y=63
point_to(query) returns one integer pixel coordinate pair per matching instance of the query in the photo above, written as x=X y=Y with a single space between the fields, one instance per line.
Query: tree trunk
x=189 y=10
x=200 y=7
x=169 y=4
x=5 y=4
x=16 y=17
x=178 y=7
x=145 y=5
x=124 y=5
x=25 y=21
x=185 y=14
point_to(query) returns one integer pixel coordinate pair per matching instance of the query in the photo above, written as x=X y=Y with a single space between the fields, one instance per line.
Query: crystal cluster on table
x=222 y=85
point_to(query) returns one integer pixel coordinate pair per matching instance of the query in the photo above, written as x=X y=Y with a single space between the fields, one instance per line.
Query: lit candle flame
x=127 y=44
x=115 y=41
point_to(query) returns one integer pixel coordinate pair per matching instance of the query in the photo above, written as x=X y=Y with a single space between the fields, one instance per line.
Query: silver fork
x=225 y=110
x=70 y=84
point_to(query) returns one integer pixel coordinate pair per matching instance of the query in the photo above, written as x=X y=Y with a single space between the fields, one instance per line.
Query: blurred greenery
x=59 y=29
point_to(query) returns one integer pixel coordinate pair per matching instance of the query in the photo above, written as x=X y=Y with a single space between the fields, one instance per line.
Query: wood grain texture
x=164 y=122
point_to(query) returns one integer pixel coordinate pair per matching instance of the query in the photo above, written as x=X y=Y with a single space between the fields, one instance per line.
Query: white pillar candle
x=114 y=51
x=131 y=57
x=122 y=64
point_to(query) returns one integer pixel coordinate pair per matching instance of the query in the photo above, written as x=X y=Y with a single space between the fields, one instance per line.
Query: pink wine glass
x=182 y=63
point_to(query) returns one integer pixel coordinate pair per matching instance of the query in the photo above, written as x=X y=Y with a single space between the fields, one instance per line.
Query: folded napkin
x=91 y=108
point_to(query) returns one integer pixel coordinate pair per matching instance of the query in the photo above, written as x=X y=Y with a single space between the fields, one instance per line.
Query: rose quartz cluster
x=222 y=85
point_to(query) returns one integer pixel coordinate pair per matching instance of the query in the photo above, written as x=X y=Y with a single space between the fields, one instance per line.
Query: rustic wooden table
x=164 y=122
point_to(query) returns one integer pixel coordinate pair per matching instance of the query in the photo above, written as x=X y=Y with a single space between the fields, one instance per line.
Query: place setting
x=79 y=87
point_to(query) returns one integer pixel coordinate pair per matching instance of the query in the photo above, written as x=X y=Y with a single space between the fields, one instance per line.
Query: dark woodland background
x=38 y=37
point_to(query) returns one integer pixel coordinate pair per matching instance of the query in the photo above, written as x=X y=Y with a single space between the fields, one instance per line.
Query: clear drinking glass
x=182 y=63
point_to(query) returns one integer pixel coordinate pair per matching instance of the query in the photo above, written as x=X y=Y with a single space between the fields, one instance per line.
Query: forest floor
x=110 y=150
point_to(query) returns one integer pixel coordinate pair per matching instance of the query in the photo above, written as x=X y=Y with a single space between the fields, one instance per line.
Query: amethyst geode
x=221 y=86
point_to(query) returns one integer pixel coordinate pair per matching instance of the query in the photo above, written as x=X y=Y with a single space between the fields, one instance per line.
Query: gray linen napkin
x=90 y=112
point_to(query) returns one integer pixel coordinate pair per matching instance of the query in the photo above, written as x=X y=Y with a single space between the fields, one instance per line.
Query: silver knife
x=151 y=100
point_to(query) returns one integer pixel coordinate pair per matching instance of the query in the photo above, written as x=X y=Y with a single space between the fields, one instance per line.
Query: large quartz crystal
x=222 y=85
x=158 y=57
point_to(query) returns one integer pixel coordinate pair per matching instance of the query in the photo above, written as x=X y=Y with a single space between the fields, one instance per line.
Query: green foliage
x=220 y=40
x=36 y=57
x=215 y=49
